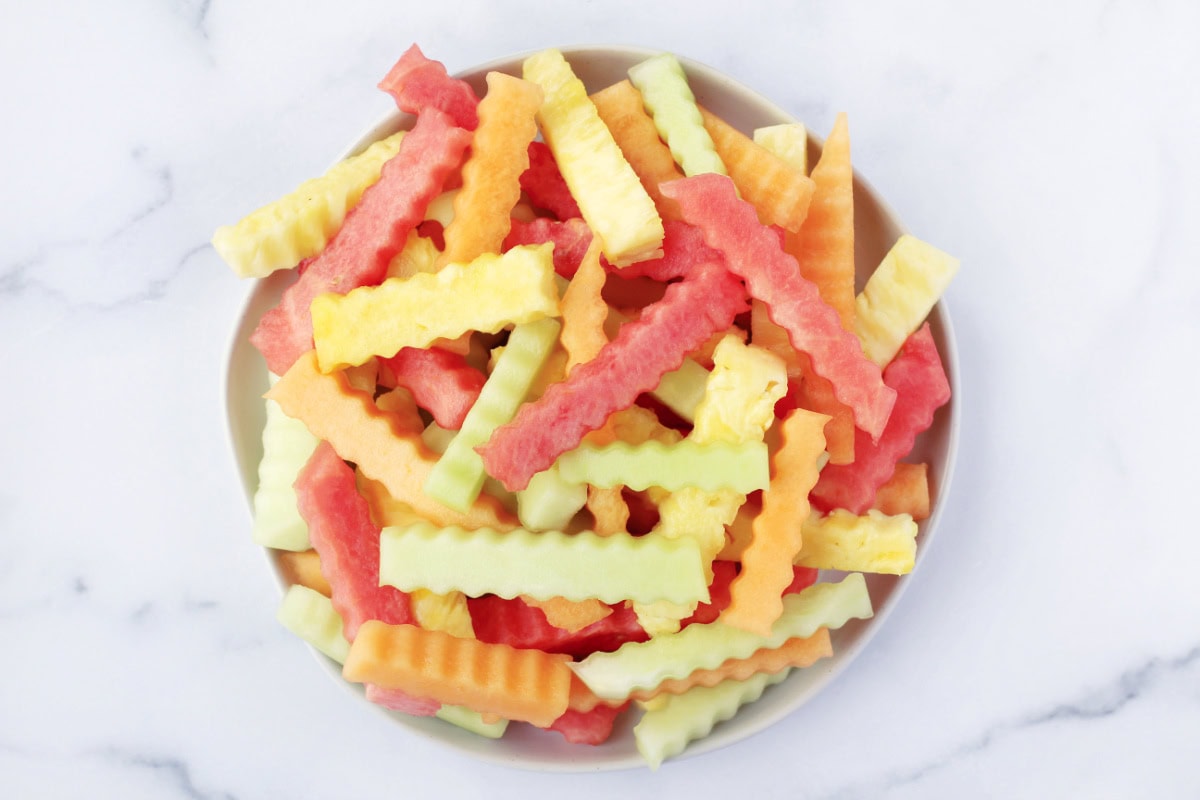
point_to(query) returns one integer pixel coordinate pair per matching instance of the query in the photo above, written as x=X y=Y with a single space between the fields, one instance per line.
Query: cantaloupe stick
x=492 y=173
x=491 y=292
x=824 y=245
x=780 y=194
x=740 y=531
x=817 y=393
x=682 y=390
x=738 y=406
x=667 y=97
x=282 y=234
x=311 y=616
x=570 y=615
x=372 y=439
x=584 y=310
x=620 y=107
x=644 y=665
x=549 y=502
x=287 y=445
x=899 y=296
x=740 y=466
x=665 y=729
x=526 y=685
x=609 y=510
x=610 y=196
x=542 y=565
x=755 y=594
x=798 y=652
x=873 y=542
x=458 y=477
x=906 y=492
x=303 y=568
x=419 y=254
x=788 y=141
x=766 y=334
x=442 y=612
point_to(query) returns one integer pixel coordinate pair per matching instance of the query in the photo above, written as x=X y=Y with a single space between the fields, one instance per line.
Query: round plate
x=876 y=228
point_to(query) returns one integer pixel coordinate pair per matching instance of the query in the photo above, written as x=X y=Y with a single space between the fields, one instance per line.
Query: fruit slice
x=339 y=522
x=439 y=381
x=921 y=386
x=780 y=194
x=544 y=185
x=298 y=226
x=542 y=565
x=418 y=83
x=753 y=252
x=610 y=197
x=374 y=231
x=491 y=678
x=873 y=542
x=634 y=363
x=899 y=295
x=491 y=292
x=491 y=175
x=667 y=96
x=458 y=477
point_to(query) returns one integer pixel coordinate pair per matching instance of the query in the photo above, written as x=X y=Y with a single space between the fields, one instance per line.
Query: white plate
x=876 y=228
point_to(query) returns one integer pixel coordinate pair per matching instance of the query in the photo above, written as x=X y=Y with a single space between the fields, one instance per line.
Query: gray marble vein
x=171 y=771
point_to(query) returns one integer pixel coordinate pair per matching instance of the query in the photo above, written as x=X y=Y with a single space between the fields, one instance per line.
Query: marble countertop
x=1048 y=646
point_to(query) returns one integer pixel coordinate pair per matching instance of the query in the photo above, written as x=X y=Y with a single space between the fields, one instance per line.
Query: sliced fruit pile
x=556 y=433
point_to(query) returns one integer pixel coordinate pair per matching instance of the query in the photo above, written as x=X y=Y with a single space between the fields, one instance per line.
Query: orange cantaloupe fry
x=906 y=492
x=795 y=652
x=620 y=107
x=303 y=567
x=824 y=245
x=609 y=509
x=570 y=615
x=527 y=685
x=755 y=594
x=492 y=174
x=816 y=394
x=780 y=194
x=584 y=310
x=377 y=441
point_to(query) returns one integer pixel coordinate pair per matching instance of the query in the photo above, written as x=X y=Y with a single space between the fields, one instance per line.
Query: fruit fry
x=439 y=381
x=287 y=446
x=632 y=364
x=787 y=141
x=492 y=173
x=780 y=194
x=490 y=293
x=755 y=601
x=609 y=510
x=753 y=252
x=304 y=568
x=418 y=83
x=544 y=184
x=311 y=616
x=541 y=564
x=666 y=95
x=873 y=542
x=570 y=615
x=620 y=107
x=299 y=225
x=549 y=502
x=584 y=311
x=906 y=492
x=609 y=194
x=707 y=466
x=571 y=239
x=374 y=231
x=525 y=685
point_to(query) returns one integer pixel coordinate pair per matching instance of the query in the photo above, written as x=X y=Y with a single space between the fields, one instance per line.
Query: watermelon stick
x=657 y=342
x=753 y=252
x=375 y=230
x=418 y=83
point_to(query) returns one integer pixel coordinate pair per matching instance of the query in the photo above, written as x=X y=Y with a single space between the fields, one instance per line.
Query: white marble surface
x=1050 y=644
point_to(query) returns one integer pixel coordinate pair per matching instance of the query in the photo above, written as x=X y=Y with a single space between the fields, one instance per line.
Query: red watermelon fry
x=689 y=313
x=514 y=622
x=571 y=238
x=373 y=232
x=588 y=727
x=398 y=700
x=339 y=524
x=753 y=252
x=545 y=185
x=441 y=382
x=418 y=83
x=921 y=386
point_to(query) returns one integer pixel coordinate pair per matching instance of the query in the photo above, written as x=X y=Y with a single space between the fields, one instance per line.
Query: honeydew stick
x=682 y=390
x=741 y=466
x=644 y=665
x=458 y=477
x=669 y=99
x=287 y=446
x=671 y=722
x=550 y=502
x=542 y=565
x=610 y=196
